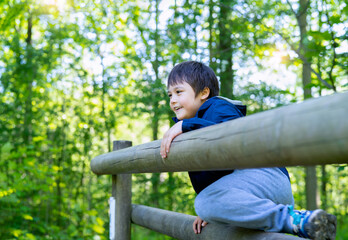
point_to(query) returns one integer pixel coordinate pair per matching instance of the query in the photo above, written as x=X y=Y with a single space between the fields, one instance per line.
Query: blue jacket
x=214 y=110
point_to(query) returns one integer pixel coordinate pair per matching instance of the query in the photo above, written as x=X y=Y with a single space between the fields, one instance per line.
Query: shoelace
x=297 y=218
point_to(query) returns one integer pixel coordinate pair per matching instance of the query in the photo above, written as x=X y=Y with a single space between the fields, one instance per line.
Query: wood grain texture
x=122 y=192
x=309 y=133
x=179 y=226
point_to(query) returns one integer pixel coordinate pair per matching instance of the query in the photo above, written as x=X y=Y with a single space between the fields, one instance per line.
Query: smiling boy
x=251 y=198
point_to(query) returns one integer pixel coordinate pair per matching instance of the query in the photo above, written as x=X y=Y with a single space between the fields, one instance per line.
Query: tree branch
x=302 y=58
x=292 y=9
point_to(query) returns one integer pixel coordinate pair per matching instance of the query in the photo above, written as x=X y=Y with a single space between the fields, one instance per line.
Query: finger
x=162 y=148
x=199 y=224
x=204 y=223
x=167 y=144
x=194 y=226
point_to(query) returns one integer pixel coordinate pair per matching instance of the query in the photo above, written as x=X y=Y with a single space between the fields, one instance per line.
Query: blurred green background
x=76 y=75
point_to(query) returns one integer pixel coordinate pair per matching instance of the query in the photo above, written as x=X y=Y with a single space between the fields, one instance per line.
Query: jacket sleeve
x=220 y=113
x=195 y=123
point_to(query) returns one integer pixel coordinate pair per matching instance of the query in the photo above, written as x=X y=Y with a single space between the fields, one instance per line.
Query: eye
x=169 y=95
x=178 y=91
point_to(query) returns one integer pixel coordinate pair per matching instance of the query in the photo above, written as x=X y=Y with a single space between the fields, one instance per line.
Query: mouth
x=177 y=109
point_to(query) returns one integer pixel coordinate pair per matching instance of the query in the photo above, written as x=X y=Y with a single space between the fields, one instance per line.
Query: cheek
x=183 y=101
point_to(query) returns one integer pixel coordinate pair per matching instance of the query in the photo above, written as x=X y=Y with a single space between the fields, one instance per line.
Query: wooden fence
x=314 y=132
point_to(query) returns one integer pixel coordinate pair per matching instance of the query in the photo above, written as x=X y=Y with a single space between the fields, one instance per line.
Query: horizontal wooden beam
x=179 y=226
x=309 y=133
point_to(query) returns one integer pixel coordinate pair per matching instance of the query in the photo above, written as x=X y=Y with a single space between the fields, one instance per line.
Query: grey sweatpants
x=250 y=198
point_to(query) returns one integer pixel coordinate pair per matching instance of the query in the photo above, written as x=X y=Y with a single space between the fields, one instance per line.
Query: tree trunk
x=155 y=178
x=212 y=52
x=311 y=175
x=226 y=50
x=60 y=162
x=103 y=112
x=29 y=85
x=324 y=179
x=170 y=190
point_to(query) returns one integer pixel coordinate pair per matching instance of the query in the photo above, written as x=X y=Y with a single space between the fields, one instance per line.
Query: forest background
x=76 y=75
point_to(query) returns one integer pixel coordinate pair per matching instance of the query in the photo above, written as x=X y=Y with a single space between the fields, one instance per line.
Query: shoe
x=317 y=224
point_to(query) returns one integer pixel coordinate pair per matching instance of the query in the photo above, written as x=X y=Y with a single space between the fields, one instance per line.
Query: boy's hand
x=168 y=138
x=198 y=224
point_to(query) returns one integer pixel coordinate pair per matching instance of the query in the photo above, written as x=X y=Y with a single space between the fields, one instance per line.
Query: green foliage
x=261 y=97
x=75 y=75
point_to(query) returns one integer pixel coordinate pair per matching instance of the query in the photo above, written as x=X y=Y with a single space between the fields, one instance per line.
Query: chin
x=179 y=118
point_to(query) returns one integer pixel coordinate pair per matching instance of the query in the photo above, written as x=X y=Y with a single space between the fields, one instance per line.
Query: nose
x=173 y=100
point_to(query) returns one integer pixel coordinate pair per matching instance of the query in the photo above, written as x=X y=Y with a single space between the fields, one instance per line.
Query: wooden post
x=122 y=193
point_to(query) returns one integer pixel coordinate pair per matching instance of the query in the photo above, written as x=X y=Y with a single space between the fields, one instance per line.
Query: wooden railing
x=314 y=132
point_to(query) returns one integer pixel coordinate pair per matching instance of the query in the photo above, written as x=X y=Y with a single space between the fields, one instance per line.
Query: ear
x=205 y=93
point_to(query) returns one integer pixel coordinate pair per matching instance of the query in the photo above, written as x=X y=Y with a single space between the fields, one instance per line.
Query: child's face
x=183 y=100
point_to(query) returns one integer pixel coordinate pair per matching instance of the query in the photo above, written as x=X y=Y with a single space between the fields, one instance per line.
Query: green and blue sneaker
x=317 y=224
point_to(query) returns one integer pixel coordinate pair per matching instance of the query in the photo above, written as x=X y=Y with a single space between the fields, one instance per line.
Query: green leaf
x=98 y=229
x=341 y=168
x=27 y=217
x=30 y=236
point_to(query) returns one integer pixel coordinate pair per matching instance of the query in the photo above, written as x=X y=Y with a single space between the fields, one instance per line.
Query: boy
x=251 y=198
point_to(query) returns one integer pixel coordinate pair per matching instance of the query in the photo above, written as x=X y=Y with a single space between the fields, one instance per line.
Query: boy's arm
x=219 y=117
x=168 y=138
x=185 y=125
x=195 y=123
x=222 y=113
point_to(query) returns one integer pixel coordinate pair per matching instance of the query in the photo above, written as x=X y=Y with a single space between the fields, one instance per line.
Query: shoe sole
x=321 y=226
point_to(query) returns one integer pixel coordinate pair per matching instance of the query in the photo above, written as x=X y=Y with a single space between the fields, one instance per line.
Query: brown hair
x=197 y=75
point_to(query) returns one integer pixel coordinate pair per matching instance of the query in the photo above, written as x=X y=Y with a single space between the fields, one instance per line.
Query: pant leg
x=250 y=198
